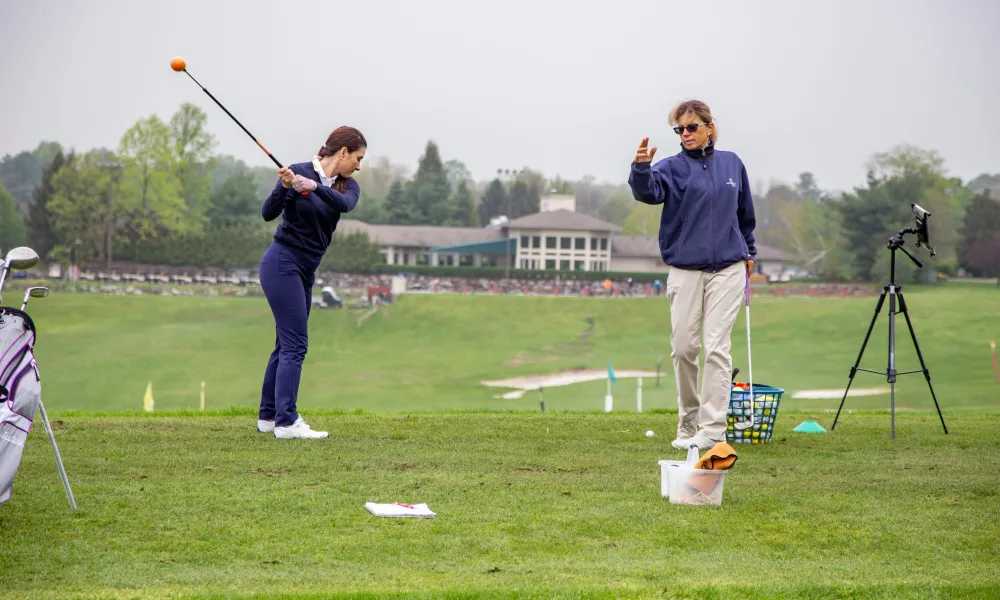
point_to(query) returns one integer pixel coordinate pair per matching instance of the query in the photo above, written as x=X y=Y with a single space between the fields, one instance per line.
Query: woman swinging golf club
x=706 y=237
x=310 y=196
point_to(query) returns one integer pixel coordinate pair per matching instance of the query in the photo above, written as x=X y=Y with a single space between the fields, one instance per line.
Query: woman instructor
x=706 y=237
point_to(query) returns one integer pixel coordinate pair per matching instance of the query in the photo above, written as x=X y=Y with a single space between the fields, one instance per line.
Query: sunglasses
x=691 y=128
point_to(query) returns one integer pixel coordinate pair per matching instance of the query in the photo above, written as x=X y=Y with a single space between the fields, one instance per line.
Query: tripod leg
x=891 y=371
x=59 y=463
x=923 y=365
x=854 y=369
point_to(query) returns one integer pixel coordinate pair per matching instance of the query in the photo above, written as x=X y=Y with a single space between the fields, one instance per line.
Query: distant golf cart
x=327 y=299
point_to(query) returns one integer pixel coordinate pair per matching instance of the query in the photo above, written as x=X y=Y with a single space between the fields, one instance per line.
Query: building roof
x=635 y=246
x=770 y=253
x=563 y=219
x=420 y=236
x=495 y=247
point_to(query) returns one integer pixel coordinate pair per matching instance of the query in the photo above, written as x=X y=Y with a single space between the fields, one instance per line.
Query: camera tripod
x=895 y=293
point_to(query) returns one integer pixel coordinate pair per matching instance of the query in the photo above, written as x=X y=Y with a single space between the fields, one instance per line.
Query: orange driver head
x=178 y=64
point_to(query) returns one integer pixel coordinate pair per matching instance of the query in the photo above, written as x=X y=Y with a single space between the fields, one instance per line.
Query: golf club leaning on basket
x=741 y=425
x=21 y=259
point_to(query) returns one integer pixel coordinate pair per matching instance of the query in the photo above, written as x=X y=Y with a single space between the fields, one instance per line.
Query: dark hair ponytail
x=342 y=137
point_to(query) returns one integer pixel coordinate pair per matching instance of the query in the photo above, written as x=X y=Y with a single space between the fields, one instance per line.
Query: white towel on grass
x=398 y=509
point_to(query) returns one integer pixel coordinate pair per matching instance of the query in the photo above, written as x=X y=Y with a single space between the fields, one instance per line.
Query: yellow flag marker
x=203 y=396
x=147 y=400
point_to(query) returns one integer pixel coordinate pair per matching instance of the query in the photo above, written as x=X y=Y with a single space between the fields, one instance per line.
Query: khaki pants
x=703 y=303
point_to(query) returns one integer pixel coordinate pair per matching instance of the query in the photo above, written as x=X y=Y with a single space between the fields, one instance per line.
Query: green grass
x=529 y=505
x=430 y=353
x=182 y=504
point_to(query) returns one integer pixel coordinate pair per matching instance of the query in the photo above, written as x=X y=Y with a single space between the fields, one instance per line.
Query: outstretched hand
x=644 y=154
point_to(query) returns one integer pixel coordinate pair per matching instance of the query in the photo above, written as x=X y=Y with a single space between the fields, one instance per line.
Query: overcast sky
x=564 y=87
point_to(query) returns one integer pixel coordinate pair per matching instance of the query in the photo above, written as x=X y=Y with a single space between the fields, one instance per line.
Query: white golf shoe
x=299 y=429
x=265 y=426
x=681 y=443
x=701 y=441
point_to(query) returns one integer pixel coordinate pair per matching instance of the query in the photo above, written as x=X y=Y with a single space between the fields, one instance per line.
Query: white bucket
x=666 y=466
x=695 y=486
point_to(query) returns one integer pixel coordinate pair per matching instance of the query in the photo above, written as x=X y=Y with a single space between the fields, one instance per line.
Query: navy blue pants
x=287 y=276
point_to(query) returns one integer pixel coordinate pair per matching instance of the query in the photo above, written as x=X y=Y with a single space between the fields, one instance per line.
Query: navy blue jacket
x=708 y=219
x=308 y=221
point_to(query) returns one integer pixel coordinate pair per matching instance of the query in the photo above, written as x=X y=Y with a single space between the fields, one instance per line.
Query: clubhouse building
x=555 y=239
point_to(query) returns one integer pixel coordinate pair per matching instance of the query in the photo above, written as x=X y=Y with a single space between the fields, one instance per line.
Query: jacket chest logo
x=731 y=182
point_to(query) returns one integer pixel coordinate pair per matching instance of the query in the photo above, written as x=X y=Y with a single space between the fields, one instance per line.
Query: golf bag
x=20 y=392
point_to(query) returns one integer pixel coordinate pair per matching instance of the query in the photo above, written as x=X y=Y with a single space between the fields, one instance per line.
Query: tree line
x=163 y=196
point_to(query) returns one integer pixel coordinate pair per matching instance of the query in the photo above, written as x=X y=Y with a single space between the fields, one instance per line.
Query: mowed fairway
x=561 y=504
x=529 y=505
x=427 y=353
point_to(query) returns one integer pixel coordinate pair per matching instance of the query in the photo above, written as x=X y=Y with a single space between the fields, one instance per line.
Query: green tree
x=465 y=205
x=151 y=191
x=398 y=211
x=617 y=209
x=644 y=220
x=896 y=179
x=428 y=192
x=494 y=202
x=351 y=253
x=519 y=201
x=86 y=204
x=22 y=172
x=456 y=172
x=807 y=189
x=370 y=209
x=560 y=186
x=234 y=201
x=11 y=222
x=979 y=249
x=38 y=222
x=193 y=146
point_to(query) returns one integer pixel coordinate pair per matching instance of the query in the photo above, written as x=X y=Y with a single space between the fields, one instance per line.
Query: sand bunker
x=533 y=382
x=830 y=394
x=529 y=383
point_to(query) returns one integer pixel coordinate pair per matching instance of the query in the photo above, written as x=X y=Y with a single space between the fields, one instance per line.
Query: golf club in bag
x=20 y=382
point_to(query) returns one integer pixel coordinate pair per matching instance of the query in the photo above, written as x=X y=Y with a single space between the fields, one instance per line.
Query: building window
x=524 y=241
x=550 y=242
x=564 y=265
x=536 y=242
x=565 y=243
x=581 y=244
x=604 y=243
x=550 y=263
x=593 y=243
x=579 y=266
x=423 y=259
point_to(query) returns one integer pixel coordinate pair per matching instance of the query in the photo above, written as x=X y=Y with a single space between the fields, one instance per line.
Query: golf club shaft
x=266 y=151
x=3 y=276
x=55 y=450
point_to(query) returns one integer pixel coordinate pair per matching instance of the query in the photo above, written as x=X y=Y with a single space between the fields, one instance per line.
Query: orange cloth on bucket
x=720 y=457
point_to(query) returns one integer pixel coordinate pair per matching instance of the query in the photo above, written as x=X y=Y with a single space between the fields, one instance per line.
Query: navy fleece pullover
x=308 y=221
x=708 y=218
